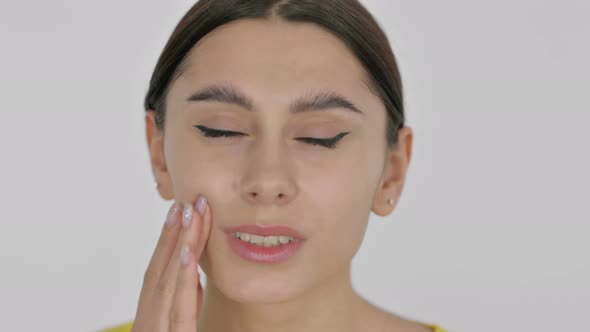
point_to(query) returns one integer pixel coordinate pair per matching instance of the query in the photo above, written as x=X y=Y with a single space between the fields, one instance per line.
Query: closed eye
x=210 y=132
x=325 y=142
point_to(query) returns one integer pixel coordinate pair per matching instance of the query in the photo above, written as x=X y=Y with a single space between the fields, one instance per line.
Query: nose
x=268 y=177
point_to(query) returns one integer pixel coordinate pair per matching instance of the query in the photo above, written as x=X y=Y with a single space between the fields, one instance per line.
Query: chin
x=245 y=282
x=258 y=290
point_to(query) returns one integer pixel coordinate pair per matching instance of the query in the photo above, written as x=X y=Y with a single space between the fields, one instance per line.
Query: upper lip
x=266 y=230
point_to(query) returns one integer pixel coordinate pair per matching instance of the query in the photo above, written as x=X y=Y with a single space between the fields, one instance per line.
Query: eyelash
x=329 y=143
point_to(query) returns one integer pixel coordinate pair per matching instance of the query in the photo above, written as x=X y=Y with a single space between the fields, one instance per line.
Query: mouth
x=264 y=244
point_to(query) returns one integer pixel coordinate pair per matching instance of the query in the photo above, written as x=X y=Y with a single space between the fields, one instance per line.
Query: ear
x=397 y=161
x=155 y=141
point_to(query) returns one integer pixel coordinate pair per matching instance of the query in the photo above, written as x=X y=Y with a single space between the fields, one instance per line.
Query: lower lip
x=258 y=254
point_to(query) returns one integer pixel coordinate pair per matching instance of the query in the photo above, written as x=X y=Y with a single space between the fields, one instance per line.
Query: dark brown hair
x=347 y=19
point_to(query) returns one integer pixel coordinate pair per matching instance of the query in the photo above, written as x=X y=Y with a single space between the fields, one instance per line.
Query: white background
x=491 y=233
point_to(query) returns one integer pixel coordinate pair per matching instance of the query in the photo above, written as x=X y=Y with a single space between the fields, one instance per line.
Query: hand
x=171 y=295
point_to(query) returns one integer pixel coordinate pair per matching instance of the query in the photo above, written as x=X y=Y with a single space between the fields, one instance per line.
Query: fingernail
x=184 y=255
x=172 y=213
x=187 y=215
x=201 y=202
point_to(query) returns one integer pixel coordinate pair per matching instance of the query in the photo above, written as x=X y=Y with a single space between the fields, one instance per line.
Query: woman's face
x=268 y=175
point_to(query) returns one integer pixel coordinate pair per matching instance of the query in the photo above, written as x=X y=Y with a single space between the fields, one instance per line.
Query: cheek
x=341 y=211
x=192 y=174
x=341 y=191
x=339 y=245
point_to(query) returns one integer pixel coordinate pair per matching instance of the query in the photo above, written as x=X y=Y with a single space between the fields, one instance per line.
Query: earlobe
x=384 y=207
x=396 y=165
x=389 y=187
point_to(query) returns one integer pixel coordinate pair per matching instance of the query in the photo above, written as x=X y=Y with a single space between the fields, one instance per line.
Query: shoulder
x=126 y=327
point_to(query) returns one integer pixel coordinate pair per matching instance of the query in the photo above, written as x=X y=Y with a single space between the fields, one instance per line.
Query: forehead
x=275 y=59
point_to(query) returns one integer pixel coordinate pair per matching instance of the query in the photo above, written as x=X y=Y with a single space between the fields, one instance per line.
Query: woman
x=284 y=122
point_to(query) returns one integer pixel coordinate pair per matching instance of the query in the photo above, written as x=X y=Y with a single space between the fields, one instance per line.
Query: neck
x=331 y=305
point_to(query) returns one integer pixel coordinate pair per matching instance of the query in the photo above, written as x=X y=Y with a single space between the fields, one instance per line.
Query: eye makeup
x=329 y=143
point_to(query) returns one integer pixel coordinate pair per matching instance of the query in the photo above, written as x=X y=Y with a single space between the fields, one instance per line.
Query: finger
x=204 y=234
x=161 y=256
x=203 y=238
x=183 y=314
x=168 y=283
x=199 y=296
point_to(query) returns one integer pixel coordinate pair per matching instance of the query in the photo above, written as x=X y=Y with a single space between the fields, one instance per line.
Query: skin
x=268 y=176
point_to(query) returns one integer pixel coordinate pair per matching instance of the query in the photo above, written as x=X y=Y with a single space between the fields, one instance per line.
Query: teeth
x=264 y=241
x=285 y=239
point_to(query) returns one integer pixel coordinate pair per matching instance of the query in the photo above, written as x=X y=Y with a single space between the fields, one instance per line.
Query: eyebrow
x=311 y=101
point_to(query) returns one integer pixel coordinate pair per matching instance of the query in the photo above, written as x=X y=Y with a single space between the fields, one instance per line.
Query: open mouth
x=270 y=244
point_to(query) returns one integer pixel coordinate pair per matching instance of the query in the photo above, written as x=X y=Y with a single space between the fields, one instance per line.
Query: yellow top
x=127 y=328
